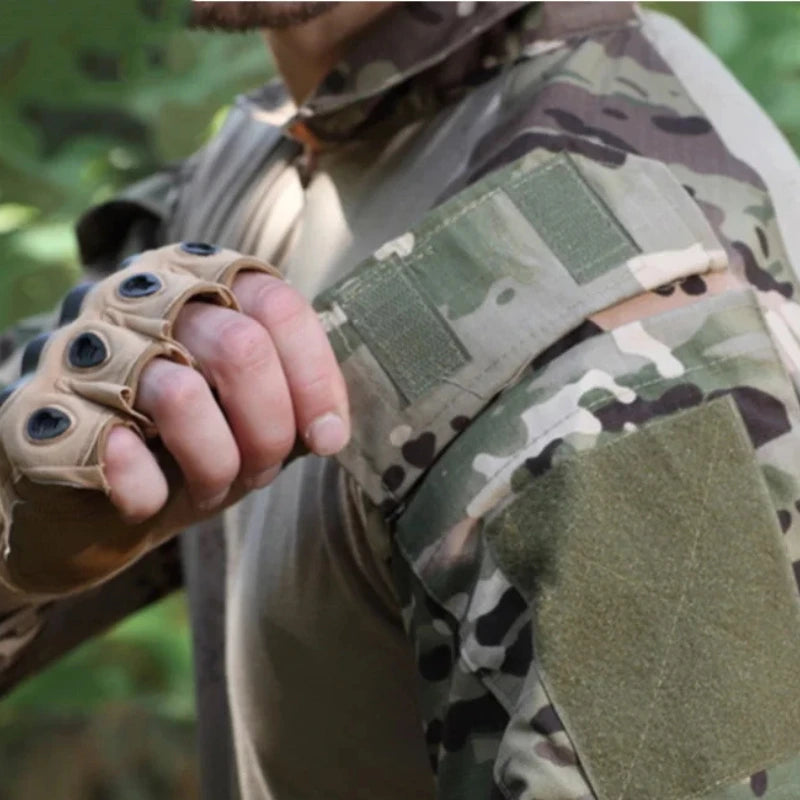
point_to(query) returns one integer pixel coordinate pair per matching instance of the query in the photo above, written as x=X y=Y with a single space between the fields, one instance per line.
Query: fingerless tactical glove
x=59 y=531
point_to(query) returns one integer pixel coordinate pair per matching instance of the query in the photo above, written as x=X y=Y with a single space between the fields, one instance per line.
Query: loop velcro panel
x=439 y=320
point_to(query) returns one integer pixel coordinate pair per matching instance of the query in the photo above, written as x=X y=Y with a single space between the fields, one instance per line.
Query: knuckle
x=220 y=474
x=178 y=389
x=123 y=450
x=281 y=305
x=315 y=387
x=242 y=342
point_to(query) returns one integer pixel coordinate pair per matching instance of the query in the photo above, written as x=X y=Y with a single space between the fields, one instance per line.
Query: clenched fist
x=184 y=382
x=263 y=374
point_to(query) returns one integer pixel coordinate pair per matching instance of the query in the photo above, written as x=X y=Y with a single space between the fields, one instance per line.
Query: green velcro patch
x=402 y=328
x=667 y=620
x=573 y=221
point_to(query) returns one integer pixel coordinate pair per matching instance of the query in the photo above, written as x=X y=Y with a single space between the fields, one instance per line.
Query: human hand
x=264 y=375
x=179 y=384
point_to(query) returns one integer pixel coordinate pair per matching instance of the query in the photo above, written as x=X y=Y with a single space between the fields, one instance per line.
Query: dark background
x=93 y=95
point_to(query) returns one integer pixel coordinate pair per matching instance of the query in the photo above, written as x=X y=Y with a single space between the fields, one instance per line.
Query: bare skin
x=272 y=356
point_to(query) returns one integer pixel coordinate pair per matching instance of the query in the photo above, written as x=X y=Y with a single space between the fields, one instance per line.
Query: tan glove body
x=59 y=531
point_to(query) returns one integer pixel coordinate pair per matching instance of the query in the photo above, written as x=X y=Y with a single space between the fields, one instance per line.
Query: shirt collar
x=448 y=46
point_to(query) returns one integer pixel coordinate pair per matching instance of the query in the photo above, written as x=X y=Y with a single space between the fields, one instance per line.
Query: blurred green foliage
x=761 y=43
x=113 y=719
x=93 y=95
x=147 y=657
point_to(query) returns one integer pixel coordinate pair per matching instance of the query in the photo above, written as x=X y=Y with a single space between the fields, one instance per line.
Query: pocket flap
x=439 y=320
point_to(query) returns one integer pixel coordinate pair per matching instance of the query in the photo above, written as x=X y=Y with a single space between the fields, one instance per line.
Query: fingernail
x=262 y=479
x=212 y=502
x=327 y=434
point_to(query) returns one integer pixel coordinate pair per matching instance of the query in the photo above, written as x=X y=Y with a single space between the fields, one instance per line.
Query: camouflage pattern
x=490 y=247
x=351 y=99
x=472 y=627
x=490 y=724
x=456 y=45
x=584 y=81
x=659 y=122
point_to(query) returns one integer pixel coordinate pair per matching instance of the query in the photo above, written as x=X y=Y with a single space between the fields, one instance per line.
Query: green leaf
x=15 y=215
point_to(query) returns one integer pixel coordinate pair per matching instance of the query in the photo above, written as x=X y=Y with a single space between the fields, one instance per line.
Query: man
x=572 y=473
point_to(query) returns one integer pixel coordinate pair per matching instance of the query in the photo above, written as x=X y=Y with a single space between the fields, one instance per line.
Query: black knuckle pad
x=199 y=248
x=33 y=352
x=87 y=350
x=72 y=302
x=142 y=284
x=47 y=423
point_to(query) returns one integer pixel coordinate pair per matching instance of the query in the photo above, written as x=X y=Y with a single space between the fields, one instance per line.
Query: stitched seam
x=636 y=387
x=509 y=355
x=477 y=202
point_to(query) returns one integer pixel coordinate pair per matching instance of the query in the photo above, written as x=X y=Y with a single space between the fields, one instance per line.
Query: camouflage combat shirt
x=593 y=535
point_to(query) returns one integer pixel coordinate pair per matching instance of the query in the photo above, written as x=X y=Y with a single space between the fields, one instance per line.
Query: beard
x=254 y=15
